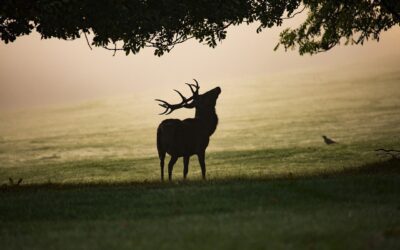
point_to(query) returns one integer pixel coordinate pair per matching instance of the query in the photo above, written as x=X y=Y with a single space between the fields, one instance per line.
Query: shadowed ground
x=354 y=208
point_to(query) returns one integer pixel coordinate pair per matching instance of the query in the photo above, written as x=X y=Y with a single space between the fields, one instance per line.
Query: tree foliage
x=350 y=21
x=131 y=25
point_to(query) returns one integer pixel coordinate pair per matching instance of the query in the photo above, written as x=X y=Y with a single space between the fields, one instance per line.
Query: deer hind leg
x=185 y=166
x=162 y=157
x=202 y=162
x=171 y=166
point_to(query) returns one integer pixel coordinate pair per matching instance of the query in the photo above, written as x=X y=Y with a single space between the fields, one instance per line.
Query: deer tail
x=161 y=151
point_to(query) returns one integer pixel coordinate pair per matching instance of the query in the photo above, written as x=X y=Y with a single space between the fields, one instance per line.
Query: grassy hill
x=90 y=172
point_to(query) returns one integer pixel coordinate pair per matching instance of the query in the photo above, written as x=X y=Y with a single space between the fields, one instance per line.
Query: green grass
x=355 y=209
x=275 y=162
x=91 y=175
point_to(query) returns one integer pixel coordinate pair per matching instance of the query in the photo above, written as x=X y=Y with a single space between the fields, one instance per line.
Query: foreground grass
x=356 y=208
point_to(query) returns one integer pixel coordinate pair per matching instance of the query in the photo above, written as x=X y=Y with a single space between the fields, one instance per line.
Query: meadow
x=91 y=175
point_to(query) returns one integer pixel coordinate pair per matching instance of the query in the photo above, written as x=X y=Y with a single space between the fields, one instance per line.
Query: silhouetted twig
x=12 y=182
x=294 y=14
x=113 y=49
x=87 y=40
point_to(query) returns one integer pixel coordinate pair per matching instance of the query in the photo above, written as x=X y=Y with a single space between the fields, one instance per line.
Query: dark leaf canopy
x=131 y=25
x=349 y=21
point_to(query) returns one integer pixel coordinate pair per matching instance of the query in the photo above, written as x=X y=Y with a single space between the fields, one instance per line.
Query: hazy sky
x=36 y=72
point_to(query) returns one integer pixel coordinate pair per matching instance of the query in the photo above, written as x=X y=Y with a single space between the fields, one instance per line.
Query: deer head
x=204 y=102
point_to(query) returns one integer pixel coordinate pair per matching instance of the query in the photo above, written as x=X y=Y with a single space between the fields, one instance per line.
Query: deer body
x=184 y=138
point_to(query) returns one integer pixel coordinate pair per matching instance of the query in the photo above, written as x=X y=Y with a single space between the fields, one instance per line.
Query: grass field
x=90 y=172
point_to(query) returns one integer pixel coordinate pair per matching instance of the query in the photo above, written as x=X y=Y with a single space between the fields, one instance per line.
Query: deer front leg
x=185 y=166
x=202 y=162
x=171 y=166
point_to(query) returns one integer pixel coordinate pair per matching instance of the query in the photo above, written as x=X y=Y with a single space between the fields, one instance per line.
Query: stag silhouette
x=184 y=138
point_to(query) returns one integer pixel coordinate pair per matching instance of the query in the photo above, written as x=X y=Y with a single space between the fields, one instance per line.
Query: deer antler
x=195 y=86
x=169 y=108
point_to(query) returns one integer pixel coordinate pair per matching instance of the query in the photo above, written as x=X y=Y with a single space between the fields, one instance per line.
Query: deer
x=191 y=136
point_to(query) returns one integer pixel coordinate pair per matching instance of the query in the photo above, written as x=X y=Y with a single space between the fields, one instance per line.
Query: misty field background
x=268 y=126
x=90 y=170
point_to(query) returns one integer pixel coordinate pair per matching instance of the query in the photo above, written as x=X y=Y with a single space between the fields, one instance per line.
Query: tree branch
x=295 y=14
x=87 y=40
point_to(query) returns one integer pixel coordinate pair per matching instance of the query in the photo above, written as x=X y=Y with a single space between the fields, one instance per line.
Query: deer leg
x=162 y=157
x=202 y=162
x=185 y=166
x=171 y=166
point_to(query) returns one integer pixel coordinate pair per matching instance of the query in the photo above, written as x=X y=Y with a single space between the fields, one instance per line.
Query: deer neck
x=208 y=119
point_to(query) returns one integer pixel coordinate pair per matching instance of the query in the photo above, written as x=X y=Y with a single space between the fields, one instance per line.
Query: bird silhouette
x=328 y=141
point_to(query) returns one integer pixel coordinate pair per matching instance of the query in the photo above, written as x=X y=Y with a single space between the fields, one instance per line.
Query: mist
x=35 y=72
